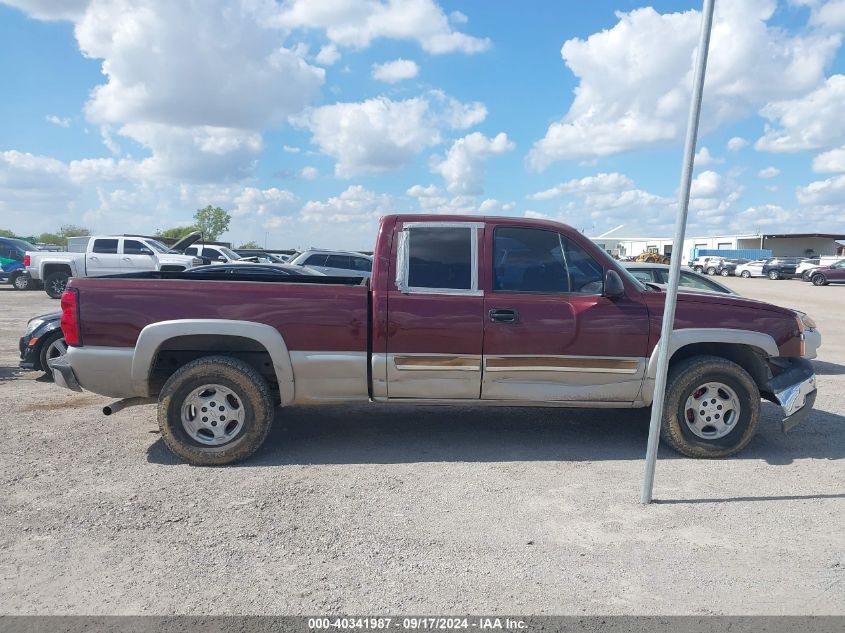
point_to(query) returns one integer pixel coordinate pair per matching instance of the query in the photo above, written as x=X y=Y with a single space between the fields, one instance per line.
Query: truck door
x=136 y=256
x=435 y=312
x=549 y=333
x=103 y=258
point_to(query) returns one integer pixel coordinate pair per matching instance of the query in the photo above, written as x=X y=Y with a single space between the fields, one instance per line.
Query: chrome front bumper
x=795 y=391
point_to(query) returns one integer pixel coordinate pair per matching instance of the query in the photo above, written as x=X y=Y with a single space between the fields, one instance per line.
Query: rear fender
x=155 y=335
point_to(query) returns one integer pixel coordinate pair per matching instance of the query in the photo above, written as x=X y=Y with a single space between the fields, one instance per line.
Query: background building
x=618 y=244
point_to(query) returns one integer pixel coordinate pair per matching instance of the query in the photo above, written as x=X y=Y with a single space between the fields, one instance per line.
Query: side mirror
x=613 y=286
x=221 y=259
x=146 y=251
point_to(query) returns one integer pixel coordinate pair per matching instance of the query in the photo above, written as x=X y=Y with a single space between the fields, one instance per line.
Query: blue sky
x=127 y=116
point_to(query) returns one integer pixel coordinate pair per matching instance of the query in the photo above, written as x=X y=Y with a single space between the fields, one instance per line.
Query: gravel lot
x=418 y=510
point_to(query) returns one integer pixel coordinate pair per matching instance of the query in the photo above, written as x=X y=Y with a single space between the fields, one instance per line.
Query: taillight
x=70 y=317
x=27 y=261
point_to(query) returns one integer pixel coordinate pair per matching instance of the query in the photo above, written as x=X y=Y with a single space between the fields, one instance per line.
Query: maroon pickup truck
x=460 y=310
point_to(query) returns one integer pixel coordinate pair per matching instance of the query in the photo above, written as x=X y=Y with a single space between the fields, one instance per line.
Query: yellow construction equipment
x=652 y=258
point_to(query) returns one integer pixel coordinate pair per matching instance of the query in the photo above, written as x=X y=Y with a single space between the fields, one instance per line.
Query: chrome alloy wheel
x=213 y=415
x=712 y=411
x=56 y=349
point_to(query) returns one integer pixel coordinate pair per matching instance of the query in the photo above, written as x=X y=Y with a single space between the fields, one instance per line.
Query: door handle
x=126 y=259
x=505 y=315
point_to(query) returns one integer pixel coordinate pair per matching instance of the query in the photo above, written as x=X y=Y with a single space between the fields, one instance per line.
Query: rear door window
x=315 y=260
x=105 y=246
x=339 y=261
x=438 y=258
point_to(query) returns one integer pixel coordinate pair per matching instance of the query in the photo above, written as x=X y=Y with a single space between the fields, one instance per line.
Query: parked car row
x=794 y=267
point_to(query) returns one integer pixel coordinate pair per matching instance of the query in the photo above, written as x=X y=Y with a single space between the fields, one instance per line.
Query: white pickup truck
x=108 y=255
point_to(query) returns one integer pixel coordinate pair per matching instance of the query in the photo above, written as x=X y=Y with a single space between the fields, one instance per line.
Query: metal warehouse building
x=787 y=244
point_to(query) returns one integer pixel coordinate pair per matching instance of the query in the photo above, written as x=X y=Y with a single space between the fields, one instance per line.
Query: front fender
x=153 y=336
x=690 y=336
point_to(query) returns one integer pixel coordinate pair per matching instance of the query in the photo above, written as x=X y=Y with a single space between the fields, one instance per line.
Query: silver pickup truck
x=108 y=255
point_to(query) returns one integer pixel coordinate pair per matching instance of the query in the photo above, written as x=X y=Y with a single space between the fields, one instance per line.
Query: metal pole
x=678 y=245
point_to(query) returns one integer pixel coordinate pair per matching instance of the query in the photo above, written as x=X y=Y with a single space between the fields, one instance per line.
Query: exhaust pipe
x=120 y=405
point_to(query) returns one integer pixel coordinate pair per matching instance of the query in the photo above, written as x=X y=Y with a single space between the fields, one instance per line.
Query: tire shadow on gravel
x=388 y=434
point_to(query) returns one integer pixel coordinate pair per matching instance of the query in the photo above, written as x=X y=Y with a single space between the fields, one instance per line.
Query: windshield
x=157 y=246
x=228 y=253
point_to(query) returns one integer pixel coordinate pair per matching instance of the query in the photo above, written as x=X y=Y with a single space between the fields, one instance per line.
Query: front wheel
x=697 y=269
x=55 y=284
x=774 y=275
x=819 y=280
x=22 y=281
x=712 y=407
x=745 y=274
x=215 y=410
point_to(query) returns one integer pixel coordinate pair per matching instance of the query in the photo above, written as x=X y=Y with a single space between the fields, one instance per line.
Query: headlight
x=806 y=320
x=33 y=325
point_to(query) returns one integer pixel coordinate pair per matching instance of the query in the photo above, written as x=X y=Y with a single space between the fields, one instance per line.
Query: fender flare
x=691 y=336
x=153 y=336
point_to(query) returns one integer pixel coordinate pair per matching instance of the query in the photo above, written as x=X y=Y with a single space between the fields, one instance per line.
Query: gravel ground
x=385 y=509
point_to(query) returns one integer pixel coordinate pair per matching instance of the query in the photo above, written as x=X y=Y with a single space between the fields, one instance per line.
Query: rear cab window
x=438 y=258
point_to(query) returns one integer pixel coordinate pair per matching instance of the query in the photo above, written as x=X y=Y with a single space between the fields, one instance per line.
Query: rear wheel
x=745 y=274
x=53 y=347
x=712 y=407
x=55 y=284
x=819 y=280
x=774 y=275
x=711 y=271
x=215 y=410
x=725 y=272
x=22 y=281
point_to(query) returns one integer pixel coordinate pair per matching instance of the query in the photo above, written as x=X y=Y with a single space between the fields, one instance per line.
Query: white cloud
x=395 y=71
x=263 y=202
x=600 y=183
x=829 y=15
x=634 y=79
x=813 y=121
x=50 y=9
x=707 y=184
x=768 y=172
x=828 y=191
x=703 y=158
x=355 y=204
x=380 y=134
x=736 y=143
x=327 y=55
x=309 y=173
x=463 y=166
x=56 y=120
x=356 y=24
x=830 y=162
x=457 y=17
x=290 y=149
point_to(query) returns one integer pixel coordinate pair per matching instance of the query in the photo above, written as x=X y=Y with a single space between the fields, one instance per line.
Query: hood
x=185 y=242
x=693 y=299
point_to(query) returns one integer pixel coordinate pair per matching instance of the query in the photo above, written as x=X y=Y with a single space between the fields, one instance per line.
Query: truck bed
x=313 y=313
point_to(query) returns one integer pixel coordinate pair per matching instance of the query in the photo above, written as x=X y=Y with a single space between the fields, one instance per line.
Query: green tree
x=177 y=232
x=6 y=233
x=250 y=245
x=51 y=238
x=72 y=230
x=212 y=221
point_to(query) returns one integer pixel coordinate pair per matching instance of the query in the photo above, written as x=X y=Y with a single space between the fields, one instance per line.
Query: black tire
x=773 y=275
x=231 y=373
x=55 y=284
x=725 y=272
x=43 y=357
x=711 y=271
x=745 y=274
x=22 y=281
x=697 y=269
x=819 y=279
x=685 y=377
